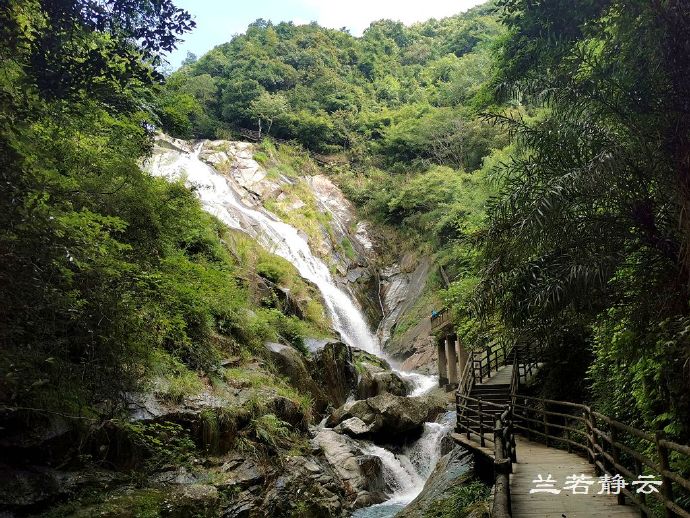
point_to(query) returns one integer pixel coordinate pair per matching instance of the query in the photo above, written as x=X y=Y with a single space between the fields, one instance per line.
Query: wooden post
x=467 y=421
x=488 y=362
x=499 y=450
x=666 y=486
x=546 y=426
x=502 y=501
x=642 y=496
x=592 y=436
x=527 y=423
x=502 y=469
x=481 y=423
x=616 y=459
x=511 y=437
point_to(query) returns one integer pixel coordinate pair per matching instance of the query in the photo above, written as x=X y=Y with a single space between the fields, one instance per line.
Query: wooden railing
x=488 y=360
x=491 y=425
x=514 y=380
x=615 y=449
x=529 y=357
x=504 y=456
x=439 y=319
x=476 y=418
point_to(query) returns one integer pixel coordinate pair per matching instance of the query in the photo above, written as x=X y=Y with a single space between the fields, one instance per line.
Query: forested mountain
x=588 y=215
x=391 y=92
x=168 y=345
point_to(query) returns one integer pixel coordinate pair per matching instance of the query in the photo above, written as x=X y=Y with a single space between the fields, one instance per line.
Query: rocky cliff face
x=394 y=297
x=405 y=330
x=305 y=199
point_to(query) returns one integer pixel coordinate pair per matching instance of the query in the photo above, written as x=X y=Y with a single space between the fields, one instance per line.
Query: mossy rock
x=197 y=500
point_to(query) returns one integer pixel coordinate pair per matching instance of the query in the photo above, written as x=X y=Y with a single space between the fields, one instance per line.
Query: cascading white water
x=220 y=199
x=421 y=383
x=405 y=472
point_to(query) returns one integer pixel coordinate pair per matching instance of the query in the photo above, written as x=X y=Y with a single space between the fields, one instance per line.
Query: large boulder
x=386 y=417
x=32 y=487
x=361 y=474
x=333 y=370
x=292 y=364
x=375 y=379
x=440 y=489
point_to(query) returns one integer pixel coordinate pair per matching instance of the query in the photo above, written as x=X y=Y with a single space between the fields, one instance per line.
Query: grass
x=175 y=380
x=137 y=503
x=470 y=498
x=257 y=380
x=261 y=157
x=347 y=248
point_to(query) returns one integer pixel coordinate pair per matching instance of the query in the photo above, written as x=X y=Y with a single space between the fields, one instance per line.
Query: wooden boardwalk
x=501 y=377
x=536 y=459
x=494 y=416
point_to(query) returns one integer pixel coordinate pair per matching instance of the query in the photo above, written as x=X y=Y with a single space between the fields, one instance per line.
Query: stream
x=405 y=471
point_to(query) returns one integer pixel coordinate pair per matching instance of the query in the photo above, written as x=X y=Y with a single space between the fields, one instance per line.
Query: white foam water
x=407 y=472
x=220 y=199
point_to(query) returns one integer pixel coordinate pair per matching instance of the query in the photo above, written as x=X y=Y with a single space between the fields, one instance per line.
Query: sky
x=217 y=21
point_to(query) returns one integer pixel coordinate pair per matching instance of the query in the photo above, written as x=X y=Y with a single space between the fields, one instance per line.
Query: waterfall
x=220 y=199
x=405 y=472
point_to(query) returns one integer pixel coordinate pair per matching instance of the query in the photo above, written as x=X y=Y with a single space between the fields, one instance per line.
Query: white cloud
x=356 y=15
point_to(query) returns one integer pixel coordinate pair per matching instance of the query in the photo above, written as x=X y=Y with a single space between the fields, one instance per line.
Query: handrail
x=529 y=356
x=439 y=319
x=466 y=380
x=614 y=448
x=514 y=380
x=487 y=360
x=473 y=419
x=504 y=456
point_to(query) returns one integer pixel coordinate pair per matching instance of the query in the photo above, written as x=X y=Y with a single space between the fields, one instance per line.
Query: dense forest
x=544 y=158
x=539 y=152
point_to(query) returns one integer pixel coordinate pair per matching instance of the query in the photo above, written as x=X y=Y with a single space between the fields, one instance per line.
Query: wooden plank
x=536 y=459
x=471 y=445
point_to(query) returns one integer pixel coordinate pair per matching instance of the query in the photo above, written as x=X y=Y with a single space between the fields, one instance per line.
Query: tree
x=74 y=45
x=588 y=237
x=190 y=59
x=74 y=76
x=268 y=108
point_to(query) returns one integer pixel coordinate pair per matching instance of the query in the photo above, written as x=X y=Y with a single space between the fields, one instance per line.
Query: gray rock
x=38 y=486
x=332 y=368
x=305 y=487
x=195 y=496
x=403 y=285
x=243 y=475
x=375 y=380
x=371 y=467
x=361 y=474
x=292 y=364
x=354 y=427
x=178 y=476
x=451 y=470
x=387 y=416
